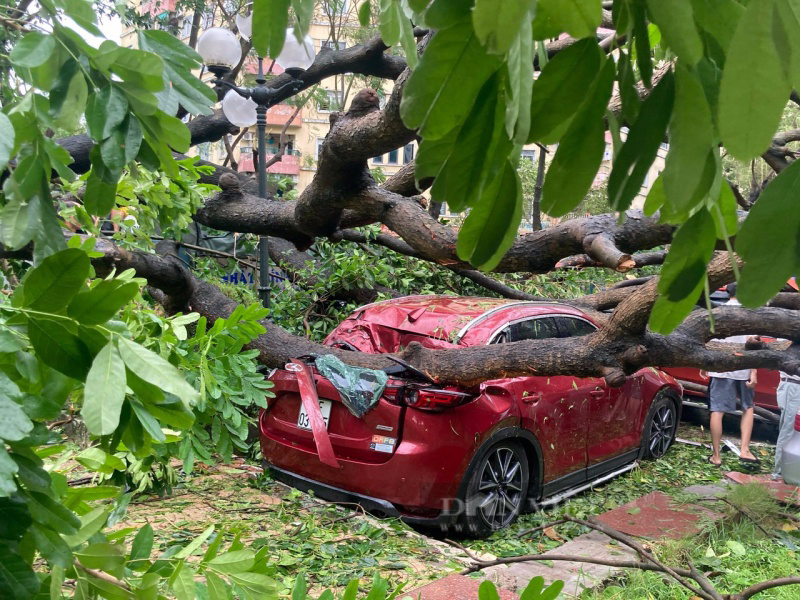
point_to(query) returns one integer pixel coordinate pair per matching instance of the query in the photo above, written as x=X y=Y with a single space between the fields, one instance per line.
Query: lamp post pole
x=221 y=51
x=263 y=241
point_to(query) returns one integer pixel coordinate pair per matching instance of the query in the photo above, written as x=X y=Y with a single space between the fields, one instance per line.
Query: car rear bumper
x=382 y=508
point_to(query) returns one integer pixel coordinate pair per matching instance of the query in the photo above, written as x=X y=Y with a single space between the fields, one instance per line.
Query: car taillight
x=393 y=394
x=434 y=399
x=797 y=422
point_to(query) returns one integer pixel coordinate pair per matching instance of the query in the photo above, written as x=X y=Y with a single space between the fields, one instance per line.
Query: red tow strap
x=308 y=393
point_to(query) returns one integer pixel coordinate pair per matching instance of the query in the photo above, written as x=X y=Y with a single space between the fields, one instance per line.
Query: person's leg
x=716 y=436
x=717 y=405
x=746 y=428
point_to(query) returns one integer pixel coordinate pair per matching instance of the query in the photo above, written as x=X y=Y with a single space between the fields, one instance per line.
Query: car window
x=532 y=329
x=575 y=327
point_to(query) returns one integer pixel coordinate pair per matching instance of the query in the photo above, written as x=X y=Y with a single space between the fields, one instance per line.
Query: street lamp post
x=244 y=107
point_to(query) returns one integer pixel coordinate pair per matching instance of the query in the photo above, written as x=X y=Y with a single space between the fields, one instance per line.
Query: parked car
x=465 y=458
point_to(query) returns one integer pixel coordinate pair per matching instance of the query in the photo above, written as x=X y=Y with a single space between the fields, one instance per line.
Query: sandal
x=712 y=463
x=749 y=461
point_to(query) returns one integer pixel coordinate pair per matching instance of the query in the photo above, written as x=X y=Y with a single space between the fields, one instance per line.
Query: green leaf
x=256 y=584
x=768 y=242
x=520 y=84
x=100 y=196
x=719 y=18
x=102 y=462
x=106 y=109
x=490 y=228
x=642 y=42
x=683 y=272
x=51 y=546
x=104 y=392
x=69 y=95
x=31 y=473
x=633 y=161
x=14 y=517
x=14 y=423
x=724 y=210
x=179 y=61
x=579 y=18
x=58 y=348
x=351 y=590
x=365 y=13
x=691 y=139
x=270 y=19
x=48 y=512
x=50 y=286
x=48 y=238
x=217 y=590
x=580 y=151
x=182 y=582
x=148 y=421
x=432 y=155
x=736 y=547
x=461 y=179
x=140 y=68
x=754 y=88
x=34 y=49
x=237 y=561
x=299 y=588
x=561 y=88
x=103 y=556
x=441 y=90
x=8 y=487
x=391 y=17
x=487 y=591
x=82 y=13
x=676 y=22
x=155 y=370
x=442 y=14
x=6 y=140
x=17 y=579
x=95 y=519
x=102 y=301
x=195 y=544
x=497 y=22
x=18 y=219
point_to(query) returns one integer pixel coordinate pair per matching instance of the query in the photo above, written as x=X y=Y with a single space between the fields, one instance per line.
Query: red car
x=463 y=458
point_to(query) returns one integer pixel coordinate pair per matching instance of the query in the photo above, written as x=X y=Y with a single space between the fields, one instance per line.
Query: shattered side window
x=359 y=388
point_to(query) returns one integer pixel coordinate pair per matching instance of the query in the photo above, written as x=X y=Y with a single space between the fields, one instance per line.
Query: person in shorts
x=724 y=389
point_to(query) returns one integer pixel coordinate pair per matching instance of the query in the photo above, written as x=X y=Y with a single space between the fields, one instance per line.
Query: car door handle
x=532 y=398
x=597 y=393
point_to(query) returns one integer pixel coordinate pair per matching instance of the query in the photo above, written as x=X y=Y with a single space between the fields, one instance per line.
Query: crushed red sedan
x=463 y=458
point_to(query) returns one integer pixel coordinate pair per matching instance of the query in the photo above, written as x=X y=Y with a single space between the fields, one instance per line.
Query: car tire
x=660 y=428
x=497 y=489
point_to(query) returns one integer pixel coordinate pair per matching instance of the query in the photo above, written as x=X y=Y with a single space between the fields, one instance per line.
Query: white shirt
x=741 y=374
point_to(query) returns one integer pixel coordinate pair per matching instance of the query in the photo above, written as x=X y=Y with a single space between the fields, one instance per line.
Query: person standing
x=789 y=401
x=723 y=391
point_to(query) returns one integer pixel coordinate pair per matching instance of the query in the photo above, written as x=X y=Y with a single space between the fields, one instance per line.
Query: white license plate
x=303 y=420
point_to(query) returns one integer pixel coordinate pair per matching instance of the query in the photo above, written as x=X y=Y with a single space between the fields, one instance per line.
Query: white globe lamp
x=296 y=56
x=220 y=50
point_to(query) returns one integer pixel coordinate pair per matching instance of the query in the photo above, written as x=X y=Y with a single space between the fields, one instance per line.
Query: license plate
x=304 y=422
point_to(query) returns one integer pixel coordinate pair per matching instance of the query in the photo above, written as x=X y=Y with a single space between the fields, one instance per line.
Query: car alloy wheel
x=501 y=486
x=662 y=428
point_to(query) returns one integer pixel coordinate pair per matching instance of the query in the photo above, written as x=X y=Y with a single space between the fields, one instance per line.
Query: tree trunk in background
x=536 y=212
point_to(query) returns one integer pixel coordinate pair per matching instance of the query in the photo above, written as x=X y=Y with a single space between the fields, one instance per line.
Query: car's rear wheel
x=660 y=428
x=497 y=489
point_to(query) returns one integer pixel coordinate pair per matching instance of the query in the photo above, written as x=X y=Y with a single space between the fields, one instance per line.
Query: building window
x=392 y=160
x=208 y=20
x=204 y=150
x=338 y=7
x=319 y=147
x=378 y=159
x=331 y=45
x=408 y=153
x=186 y=26
x=331 y=103
x=529 y=155
x=274 y=143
